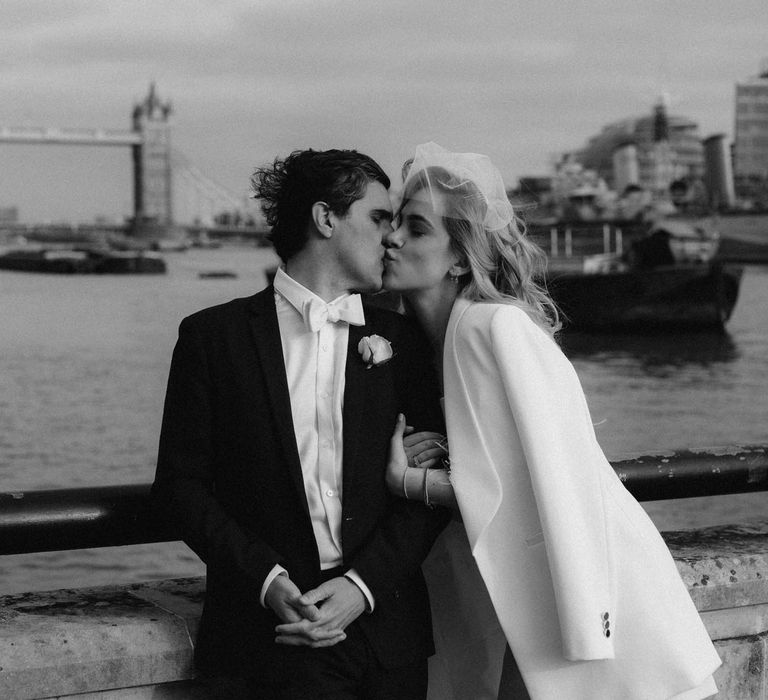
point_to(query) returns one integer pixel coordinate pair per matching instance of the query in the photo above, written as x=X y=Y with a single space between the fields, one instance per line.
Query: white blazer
x=584 y=587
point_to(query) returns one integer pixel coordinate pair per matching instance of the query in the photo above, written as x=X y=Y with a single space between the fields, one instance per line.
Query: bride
x=551 y=581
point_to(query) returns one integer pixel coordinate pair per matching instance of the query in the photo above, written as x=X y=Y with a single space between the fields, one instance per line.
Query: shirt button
x=329 y=493
x=324 y=347
x=323 y=394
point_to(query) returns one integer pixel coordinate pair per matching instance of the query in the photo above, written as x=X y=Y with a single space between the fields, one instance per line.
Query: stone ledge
x=67 y=642
x=120 y=642
x=724 y=566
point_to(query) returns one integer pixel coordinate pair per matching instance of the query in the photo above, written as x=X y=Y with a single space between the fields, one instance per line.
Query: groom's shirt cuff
x=353 y=576
x=271 y=576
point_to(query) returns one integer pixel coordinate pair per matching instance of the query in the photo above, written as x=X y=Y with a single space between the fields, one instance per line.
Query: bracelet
x=405 y=482
x=426 y=487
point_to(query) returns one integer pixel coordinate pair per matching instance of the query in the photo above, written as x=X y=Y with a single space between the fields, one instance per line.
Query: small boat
x=81 y=261
x=669 y=280
x=216 y=274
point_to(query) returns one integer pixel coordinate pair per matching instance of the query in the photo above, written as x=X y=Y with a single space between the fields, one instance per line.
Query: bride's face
x=419 y=252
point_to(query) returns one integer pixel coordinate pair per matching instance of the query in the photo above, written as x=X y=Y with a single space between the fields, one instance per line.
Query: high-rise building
x=750 y=148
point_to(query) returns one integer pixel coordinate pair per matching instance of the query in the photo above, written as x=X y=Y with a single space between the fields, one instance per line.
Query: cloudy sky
x=251 y=79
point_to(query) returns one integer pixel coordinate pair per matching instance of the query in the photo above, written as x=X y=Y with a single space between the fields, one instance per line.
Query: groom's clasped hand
x=318 y=617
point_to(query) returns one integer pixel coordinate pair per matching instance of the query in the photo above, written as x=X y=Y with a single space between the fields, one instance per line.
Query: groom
x=273 y=448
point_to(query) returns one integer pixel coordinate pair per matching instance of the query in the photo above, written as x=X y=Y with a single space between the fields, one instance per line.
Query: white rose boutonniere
x=374 y=350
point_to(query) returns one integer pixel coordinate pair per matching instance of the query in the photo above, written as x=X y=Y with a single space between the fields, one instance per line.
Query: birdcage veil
x=435 y=171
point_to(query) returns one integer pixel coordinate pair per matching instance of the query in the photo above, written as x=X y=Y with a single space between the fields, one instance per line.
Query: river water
x=84 y=361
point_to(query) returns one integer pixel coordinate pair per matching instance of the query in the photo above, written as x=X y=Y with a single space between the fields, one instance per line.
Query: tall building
x=719 y=172
x=750 y=148
x=666 y=147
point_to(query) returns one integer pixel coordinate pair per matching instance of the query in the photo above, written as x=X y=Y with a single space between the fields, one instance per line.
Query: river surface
x=84 y=361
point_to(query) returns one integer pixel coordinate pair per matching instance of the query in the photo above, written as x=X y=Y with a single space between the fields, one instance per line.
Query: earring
x=453 y=277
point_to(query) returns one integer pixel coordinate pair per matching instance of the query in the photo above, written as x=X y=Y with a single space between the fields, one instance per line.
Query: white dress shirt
x=315 y=364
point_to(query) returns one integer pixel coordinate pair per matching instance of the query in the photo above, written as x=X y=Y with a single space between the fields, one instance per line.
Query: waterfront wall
x=135 y=642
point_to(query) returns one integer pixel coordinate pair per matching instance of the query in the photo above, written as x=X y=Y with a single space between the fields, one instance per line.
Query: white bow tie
x=317 y=313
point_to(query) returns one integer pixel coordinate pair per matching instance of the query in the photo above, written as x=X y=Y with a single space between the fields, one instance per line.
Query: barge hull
x=664 y=298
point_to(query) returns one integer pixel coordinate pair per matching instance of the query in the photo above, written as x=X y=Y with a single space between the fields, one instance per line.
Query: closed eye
x=418 y=225
x=379 y=216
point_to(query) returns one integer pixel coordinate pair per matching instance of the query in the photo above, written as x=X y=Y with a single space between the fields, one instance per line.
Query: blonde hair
x=504 y=264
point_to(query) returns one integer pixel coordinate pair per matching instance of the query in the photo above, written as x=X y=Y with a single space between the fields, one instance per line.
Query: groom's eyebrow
x=382 y=214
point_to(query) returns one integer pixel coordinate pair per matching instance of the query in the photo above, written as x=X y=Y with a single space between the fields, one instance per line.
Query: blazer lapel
x=266 y=337
x=354 y=403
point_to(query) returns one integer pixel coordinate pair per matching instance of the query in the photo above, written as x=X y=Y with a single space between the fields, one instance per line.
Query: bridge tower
x=152 y=184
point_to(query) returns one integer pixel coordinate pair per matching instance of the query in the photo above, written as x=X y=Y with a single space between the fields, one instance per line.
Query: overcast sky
x=520 y=81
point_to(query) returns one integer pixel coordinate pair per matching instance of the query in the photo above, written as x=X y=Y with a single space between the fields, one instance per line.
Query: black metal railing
x=106 y=516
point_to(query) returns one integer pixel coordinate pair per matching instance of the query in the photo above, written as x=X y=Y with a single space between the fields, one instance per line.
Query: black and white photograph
x=360 y=350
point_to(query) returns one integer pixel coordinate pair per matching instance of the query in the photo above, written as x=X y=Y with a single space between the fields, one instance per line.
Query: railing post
x=553 y=241
x=606 y=239
x=619 y=241
x=568 y=242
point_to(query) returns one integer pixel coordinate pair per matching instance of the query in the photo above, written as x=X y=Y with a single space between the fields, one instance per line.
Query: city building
x=649 y=151
x=750 y=148
x=719 y=172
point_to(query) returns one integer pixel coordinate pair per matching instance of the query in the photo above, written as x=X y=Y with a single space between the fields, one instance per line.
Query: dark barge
x=81 y=261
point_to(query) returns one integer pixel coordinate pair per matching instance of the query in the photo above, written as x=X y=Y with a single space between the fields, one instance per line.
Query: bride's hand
x=397 y=464
x=409 y=449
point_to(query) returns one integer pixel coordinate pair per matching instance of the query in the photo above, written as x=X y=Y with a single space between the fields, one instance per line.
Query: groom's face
x=360 y=236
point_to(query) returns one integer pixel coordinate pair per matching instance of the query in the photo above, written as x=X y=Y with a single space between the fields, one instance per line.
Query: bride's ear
x=458 y=269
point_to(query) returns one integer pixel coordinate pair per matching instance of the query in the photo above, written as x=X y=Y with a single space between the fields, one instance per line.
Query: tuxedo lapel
x=265 y=332
x=354 y=402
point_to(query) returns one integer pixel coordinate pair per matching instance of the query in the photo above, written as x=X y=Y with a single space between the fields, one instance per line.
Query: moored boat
x=668 y=280
x=665 y=298
x=81 y=261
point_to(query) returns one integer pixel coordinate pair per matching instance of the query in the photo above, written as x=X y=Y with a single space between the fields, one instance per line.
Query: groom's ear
x=322 y=219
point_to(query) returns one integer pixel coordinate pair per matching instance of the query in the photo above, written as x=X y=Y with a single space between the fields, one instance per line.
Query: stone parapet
x=134 y=642
x=726 y=571
x=99 y=640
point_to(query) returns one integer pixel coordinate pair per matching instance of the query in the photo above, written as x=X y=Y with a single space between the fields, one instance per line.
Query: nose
x=394 y=239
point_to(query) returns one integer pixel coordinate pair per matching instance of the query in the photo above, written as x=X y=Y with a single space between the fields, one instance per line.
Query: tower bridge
x=156 y=164
x=76 y=137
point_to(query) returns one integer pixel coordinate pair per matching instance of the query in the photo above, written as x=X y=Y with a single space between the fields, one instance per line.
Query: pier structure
x=129 y=642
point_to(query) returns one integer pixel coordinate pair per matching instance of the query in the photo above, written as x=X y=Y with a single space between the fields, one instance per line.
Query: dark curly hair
x=289 y=187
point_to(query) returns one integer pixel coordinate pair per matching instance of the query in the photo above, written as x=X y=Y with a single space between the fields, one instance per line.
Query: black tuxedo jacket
x=229 y=474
